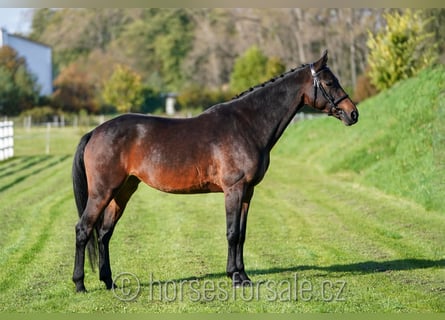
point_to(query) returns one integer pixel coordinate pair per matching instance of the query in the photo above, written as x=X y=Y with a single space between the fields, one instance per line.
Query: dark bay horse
x=224 y=149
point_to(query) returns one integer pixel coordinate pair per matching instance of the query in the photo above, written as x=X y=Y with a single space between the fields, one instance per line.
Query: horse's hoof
x=240 y=279
x=81 y=290
x=244 y=283
x=110 y=284
x=113 y=286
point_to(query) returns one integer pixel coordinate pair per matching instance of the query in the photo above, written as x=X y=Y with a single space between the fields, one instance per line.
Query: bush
x=75 y=90
x=401 y=50
x=153 y=102
x=41 y=114
x=124 y=89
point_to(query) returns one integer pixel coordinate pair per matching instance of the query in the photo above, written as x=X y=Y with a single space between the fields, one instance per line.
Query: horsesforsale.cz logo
x=126 y=286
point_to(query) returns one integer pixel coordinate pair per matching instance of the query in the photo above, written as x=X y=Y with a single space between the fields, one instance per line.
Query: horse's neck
x=272 y=108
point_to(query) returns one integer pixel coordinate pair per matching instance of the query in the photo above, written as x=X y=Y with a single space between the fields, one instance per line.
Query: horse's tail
x=80 y=187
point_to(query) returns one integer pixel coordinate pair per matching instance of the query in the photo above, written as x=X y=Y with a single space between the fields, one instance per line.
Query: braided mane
x=262 y=85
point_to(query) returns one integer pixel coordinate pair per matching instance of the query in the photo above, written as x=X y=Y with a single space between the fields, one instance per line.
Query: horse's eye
x=329 y=83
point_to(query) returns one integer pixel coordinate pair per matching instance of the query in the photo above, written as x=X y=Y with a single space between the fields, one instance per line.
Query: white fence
x=6 y=140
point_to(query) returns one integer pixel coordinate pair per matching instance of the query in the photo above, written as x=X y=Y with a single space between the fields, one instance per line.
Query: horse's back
x=172 y=155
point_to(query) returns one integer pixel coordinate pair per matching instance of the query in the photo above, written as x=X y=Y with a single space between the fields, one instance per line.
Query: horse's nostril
x=354 y=115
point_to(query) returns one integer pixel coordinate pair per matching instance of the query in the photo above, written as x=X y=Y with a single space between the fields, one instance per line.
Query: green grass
x=330 y=230
x=397 y=145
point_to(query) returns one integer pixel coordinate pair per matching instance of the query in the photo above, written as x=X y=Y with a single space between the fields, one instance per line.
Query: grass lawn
x=331 y=227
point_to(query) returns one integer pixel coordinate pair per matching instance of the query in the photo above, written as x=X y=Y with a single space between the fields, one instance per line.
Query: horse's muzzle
x=350 y=119
x=353 y=117
x=347 y=118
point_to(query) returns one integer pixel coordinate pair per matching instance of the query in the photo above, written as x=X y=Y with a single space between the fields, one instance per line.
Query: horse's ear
x=320 y=63
x=324 y=58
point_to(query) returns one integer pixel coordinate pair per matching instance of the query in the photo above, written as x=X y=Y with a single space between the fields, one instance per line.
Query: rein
x=318 y=85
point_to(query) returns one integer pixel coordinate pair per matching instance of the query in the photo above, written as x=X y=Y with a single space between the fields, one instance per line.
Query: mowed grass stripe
x=18 y=164
x=40 y=232
x=176 y=232
x=23 y=216
x=22 y=197
x=275 y=222
x=393 y=227
x=41 y=276
x=323 y=226
x=360 y=244
x=31 y=170
x=389 y=237
x=391 y=222
x=23 y=167
x=24 y=256
x=392 y=219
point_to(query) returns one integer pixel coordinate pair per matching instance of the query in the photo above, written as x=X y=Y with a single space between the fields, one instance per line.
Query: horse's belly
x=180 y=181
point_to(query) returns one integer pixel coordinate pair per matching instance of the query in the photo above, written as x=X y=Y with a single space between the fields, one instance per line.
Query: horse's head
x=325 y=93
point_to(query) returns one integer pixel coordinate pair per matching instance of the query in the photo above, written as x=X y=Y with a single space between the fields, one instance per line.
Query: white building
x=38 y=58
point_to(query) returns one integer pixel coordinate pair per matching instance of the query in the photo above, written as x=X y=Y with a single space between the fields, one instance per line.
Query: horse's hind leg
x=84 y=228
x=112 y=214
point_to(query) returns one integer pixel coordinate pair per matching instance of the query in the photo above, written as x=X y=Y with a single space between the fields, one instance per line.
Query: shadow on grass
x=358 y=268
x=366 y=267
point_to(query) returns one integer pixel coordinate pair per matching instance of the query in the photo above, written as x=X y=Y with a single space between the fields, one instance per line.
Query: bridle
x=328 y=97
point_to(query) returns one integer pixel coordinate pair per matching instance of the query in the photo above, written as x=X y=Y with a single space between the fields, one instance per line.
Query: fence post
x=6 y=140
x=10 y=139
x=2 y=141
x=27 y=122
x=48 y=138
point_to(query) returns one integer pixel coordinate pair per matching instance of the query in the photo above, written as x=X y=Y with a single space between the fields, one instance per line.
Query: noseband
x=328 y=97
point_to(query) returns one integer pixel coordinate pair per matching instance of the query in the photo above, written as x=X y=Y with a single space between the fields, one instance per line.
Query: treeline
x=194 y=51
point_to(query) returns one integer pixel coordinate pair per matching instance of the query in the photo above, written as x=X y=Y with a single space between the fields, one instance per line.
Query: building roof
x=25 y=38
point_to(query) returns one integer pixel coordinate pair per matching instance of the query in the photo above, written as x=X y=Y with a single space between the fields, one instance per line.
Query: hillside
x=397 y=145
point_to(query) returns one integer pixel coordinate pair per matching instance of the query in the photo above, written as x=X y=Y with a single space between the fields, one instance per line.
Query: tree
x=252 y=68
x=401 y=50
x=40 y=21
x=174 y=47
x=437 y=26
x=157 y=44
x=124 y=89
x=74 y=33
x=75 y=90
x=18 y=87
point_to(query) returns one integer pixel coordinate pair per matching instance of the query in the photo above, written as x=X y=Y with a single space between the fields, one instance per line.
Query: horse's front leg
x=236 y=220
x=243 y=278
